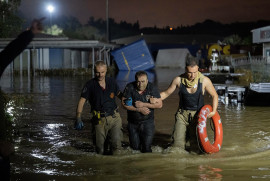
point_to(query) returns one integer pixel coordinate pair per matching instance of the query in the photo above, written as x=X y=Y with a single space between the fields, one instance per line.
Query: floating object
x=258 y=94
x=260 y=87
x=230 y=93
x=202 y=131
x=135 y=56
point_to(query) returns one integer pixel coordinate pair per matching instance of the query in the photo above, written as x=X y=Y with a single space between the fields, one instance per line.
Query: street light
x=50 y=8
x=4 y=11
x=107 y=21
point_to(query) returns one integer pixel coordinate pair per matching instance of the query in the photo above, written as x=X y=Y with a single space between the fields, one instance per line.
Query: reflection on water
x=48 y=148
x=207 y=172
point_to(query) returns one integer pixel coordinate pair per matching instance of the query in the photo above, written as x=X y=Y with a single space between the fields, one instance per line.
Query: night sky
x=151 y=13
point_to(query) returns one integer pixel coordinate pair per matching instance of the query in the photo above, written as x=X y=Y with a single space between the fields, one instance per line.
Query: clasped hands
x=141 y=106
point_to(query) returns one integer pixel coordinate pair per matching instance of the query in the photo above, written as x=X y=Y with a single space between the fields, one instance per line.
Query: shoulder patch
x=112 y=95
x=84 y=90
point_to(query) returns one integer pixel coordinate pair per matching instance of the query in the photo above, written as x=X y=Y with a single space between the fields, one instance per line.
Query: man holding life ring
x=192 y=86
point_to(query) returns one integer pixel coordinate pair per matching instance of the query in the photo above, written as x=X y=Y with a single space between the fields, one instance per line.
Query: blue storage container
x=135 y=56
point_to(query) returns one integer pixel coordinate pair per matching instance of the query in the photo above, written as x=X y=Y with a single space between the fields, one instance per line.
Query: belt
x=106 y=114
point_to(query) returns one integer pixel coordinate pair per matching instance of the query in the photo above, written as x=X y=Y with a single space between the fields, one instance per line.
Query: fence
x=248 y=60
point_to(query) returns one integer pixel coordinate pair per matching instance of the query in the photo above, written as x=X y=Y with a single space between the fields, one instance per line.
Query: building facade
x=262 y=35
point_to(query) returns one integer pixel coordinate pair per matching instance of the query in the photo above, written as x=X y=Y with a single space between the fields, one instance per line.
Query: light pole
x=4 y=10
x=107 y=21
x=50 y=8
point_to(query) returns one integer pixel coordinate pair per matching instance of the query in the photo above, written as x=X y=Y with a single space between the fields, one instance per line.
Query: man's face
x=142 y=82
x=100 y=72
x=192 y=72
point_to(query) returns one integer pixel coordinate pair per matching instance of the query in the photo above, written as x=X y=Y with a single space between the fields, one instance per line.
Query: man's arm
x=15 y=47
x=78 y=123
x=143 y=110
x=174 y=84
x=36 y=26
x=80 y=107
x=156 y=103
x=119 y=95
x=212 y=91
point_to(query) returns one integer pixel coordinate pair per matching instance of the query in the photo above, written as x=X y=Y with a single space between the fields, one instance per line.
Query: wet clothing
x=141 y=127
x=185 y=128
x=189 y=101
x=100 y=99
x=5 y=168
x=141 y=135
x=106 y=120
x=186 y=116
x=3 y=118
x=130 y=91
x=109 y=126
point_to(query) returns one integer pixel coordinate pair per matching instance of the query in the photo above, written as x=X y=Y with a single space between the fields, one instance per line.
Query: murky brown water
x=48 y=148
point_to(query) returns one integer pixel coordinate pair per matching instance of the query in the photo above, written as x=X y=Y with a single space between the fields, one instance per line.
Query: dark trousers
x=141 y=135
x=4 y=168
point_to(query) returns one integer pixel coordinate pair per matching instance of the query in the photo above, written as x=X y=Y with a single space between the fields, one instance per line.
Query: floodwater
x=48 y=148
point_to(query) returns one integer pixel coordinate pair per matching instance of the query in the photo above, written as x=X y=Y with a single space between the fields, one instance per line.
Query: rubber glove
x=78 y=123
x=128 y=101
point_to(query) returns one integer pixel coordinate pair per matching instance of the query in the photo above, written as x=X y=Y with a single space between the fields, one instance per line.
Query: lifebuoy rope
x=198 y=141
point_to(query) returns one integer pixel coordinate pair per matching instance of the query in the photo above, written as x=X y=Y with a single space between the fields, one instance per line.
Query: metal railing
x=248 y=60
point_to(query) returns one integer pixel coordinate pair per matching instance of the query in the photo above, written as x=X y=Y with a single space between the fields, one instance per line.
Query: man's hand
x=139 y=104
x=36 y=26
x=144 y=110
x=78 y=124
x=211 y=114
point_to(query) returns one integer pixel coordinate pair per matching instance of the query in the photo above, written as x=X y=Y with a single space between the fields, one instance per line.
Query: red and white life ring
x=202 y=131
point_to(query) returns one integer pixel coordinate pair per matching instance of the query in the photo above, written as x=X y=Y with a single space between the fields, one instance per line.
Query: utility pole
x=4 y=11
x=107 y=21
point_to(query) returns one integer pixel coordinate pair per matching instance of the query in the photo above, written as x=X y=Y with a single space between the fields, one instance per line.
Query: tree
x=54 y=30
x=85 y=33
x=247 y=40
x=68 y=23
x=233 y=40
x=10 y=23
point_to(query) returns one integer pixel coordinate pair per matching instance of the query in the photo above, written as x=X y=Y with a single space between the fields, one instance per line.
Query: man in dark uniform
x=101 y=92
x=192 y=86
x=137 y=99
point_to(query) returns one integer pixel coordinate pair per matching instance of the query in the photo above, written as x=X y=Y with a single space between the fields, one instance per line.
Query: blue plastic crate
x=135 y=56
